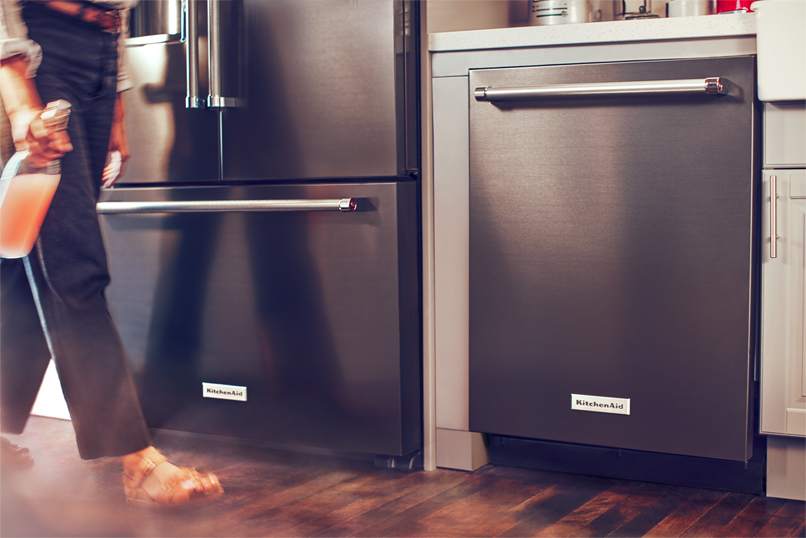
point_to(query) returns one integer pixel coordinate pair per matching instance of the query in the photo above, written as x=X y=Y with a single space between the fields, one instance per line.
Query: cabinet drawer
x=785 y=134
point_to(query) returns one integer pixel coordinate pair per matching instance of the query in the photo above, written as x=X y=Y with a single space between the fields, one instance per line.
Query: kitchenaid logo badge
x=600 y=404
x=224 y=392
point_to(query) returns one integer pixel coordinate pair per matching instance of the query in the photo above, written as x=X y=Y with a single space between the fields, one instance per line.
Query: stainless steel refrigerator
x=263 y=238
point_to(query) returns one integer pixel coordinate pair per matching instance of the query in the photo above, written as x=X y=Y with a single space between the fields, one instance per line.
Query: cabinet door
x=783 y=377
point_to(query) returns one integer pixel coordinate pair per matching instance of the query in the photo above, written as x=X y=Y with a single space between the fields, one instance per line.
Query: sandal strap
x=144 y=468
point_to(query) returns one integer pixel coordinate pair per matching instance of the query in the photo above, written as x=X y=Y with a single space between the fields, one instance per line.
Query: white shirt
x=14 y=36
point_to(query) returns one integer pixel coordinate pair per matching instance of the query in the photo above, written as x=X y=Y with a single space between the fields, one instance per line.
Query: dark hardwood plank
x=753 y=518
x=673 y=497
x=777 y=527
x=426 y=486
x=800 y=531
x=406 y=522
x=537 y=514
x=723 y=512
x=676 y=523
x=433 y=516
x=331 y=506
x=352 y=502
x=793 y=509
x=273 y=496
x=591 y=510
x=488 y=512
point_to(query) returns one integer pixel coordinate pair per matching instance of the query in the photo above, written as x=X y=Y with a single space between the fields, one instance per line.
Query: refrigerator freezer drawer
x=297 y=326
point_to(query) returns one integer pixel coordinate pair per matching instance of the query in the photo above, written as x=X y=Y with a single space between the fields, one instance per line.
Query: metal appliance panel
x=169 y=143
x=612 y=255
x=315 y=313
x=325 y=86
x=315 y=90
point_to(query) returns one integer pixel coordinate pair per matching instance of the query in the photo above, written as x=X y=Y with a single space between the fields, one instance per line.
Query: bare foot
x=14 y=456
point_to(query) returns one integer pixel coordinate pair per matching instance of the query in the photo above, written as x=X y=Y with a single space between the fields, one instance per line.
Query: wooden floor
x=275 y=493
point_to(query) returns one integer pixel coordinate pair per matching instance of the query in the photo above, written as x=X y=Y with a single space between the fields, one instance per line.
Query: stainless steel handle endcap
x=347 y=204
x=714 y=85
x=481 y=93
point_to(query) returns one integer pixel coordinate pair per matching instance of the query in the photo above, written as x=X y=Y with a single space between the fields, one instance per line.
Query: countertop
x=598 y=32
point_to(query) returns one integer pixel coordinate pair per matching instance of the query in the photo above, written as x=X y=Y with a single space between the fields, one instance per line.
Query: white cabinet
x=783 y=380
x=782 y=87
x=783 y=308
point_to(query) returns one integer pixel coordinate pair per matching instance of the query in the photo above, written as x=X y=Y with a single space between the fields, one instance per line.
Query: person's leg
x=67 y=268
x=68 y=271
x=24 y=357
x=24 y=353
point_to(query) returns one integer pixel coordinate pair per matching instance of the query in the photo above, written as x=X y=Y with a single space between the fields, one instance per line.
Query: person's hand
x=43 y=144
x=24 y=107
x=118 y=146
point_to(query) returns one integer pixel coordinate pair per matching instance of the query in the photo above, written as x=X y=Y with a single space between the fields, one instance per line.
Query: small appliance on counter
x=733 y=6
x=690 y=8
x=628 y=10
x=552 y=12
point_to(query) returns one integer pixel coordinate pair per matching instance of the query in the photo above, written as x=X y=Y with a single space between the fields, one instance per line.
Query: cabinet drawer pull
x=773 y=216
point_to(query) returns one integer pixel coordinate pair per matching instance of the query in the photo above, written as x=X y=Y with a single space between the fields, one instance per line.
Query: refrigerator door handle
x=337 y=204
x=190 y=33
x=707 y=86
x=216 y=99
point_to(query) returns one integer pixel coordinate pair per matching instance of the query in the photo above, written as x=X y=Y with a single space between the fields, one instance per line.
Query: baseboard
x=632 y=464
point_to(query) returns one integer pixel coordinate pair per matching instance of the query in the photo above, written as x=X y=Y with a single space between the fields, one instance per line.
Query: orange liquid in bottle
x=23 y=209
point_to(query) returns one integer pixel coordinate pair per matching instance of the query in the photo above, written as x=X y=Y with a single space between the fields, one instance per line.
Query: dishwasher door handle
x=220 y=206
x=698 y=86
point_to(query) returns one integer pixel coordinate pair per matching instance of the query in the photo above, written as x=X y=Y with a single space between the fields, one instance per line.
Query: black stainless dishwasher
x=612 y=273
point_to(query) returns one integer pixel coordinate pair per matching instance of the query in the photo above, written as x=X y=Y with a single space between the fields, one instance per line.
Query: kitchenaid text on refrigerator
x=600 y=404
x=224 y=392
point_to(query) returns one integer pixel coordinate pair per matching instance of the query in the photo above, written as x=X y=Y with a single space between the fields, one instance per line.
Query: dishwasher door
x=612 y=256
x=267 y=313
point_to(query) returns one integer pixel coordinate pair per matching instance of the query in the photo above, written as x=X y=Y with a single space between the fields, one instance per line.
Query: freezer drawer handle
x=773 y=216
x=338 y=204
x=707 y=86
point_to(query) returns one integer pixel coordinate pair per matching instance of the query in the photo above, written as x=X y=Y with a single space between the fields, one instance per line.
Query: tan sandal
x=155 y=484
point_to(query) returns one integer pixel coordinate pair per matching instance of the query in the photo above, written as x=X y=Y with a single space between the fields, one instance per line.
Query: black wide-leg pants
x=52 y=302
